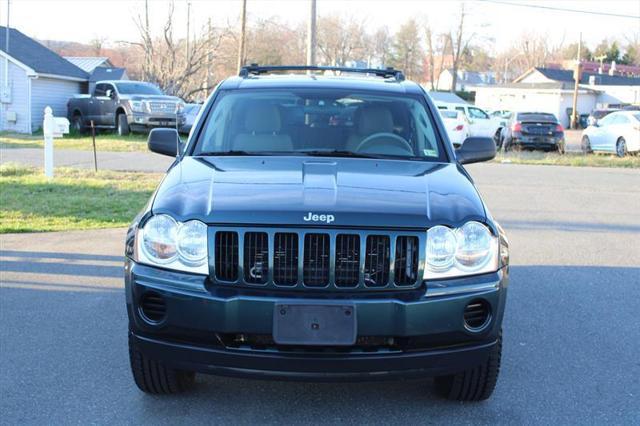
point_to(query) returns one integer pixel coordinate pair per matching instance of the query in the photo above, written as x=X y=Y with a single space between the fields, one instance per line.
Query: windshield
x=317 y=122
x=133 y=88
x=537 y=116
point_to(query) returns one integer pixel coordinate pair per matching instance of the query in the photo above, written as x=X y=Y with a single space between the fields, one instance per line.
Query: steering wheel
x=397 y=142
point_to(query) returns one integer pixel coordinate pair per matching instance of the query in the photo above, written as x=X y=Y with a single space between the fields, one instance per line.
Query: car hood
x=289 y=191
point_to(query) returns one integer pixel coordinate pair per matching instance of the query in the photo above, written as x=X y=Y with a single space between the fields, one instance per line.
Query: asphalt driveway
x=572 y=334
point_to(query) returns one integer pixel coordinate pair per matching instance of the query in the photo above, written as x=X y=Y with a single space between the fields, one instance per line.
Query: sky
x=500 y=21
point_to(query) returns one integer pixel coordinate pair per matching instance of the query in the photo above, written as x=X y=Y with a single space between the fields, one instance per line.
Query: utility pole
x=208 y=82
x=311 y=35
x=243 y=24
x=188 y=19
x=577 y=73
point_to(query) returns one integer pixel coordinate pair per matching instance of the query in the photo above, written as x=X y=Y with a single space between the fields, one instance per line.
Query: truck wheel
x=123 y=125
x=585 y=145
x=76 y=124
x=474 y=384
x=152 y=376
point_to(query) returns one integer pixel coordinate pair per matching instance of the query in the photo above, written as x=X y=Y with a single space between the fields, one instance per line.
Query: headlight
x=180 y=107
x=441 y=248
x=474 y=245
x=468 y=250
x=173 y=245
x=192 y=242
x=138 y=106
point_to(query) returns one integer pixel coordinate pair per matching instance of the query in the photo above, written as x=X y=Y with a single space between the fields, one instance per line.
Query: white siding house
x=15 y=115
x=51 y=92
x=37 y=77
x=551 y=90
x=538 y=97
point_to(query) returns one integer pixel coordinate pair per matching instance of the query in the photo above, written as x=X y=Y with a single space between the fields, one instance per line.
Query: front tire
x=585 y=145
x=77 y=125
x=474 y=384
x=152 y=376
x=123 y=125
x=621 y=148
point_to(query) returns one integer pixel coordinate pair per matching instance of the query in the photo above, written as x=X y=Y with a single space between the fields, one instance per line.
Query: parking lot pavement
x=571 y=328
x=122 y=161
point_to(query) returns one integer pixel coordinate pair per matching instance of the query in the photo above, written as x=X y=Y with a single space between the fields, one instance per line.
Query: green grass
x=74 y=199
x=104 y=141
x=569 y=159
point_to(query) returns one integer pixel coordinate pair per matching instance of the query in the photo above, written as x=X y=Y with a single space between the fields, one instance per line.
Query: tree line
x=190 y=67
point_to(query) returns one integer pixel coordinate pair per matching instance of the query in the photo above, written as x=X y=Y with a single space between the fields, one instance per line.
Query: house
x=466 y=80
x=446 y=97
x=99 y=68
x=551 y=90
x=37 y=77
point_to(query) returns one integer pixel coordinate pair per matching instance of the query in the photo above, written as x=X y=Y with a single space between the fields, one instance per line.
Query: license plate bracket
x=314 y=324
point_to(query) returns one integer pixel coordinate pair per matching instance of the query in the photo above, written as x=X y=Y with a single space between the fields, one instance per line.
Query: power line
x=562 y=9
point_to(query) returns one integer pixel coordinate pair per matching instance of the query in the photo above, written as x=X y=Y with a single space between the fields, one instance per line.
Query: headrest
x=374 y=119
x=262 y=118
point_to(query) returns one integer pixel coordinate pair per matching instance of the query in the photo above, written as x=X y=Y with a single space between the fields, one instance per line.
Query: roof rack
x=255 y=69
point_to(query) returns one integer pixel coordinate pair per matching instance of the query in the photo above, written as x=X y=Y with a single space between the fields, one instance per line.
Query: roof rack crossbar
x=255 y=69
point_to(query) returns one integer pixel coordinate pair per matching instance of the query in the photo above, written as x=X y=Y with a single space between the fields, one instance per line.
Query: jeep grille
x=317 y=259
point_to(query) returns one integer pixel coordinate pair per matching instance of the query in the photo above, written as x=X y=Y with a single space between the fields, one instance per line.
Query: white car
x=618 y=132
x=457 y=126
x=480 y=123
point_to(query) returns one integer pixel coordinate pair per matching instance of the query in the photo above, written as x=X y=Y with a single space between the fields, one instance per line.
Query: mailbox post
x=52 y=127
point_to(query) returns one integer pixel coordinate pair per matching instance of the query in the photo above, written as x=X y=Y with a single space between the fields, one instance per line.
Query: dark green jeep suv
x=317 y=226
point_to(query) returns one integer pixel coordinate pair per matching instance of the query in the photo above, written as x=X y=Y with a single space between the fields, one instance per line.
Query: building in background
x=466 y=80
x=98 y=68
x=37 y=77
x=551 y=90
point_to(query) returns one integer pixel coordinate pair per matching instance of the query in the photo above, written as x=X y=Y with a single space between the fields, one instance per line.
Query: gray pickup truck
x=125 y=106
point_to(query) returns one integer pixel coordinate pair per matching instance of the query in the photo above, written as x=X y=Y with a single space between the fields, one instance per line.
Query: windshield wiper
x=232 y=153
x=336 y=153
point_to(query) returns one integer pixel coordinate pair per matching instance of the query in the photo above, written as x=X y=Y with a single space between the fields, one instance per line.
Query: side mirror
x=475 y=150
x=108 y=93
x=164 y=141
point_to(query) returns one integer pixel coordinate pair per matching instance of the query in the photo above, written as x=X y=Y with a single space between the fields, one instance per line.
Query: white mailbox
x=60 y=126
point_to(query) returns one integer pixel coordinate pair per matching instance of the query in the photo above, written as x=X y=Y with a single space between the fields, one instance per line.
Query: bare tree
x=380 y=47
x=164 y=62
x=340 y=40
x=430 y=56
x=459 y=43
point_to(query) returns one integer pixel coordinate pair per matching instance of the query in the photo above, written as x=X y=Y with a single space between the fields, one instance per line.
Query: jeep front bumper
x=227 y=331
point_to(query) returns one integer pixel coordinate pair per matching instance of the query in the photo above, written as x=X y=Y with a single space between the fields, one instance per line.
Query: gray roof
x=448 y=97
x=38 y=57
x=88 y=63
x=600 y=79
x=104 y=73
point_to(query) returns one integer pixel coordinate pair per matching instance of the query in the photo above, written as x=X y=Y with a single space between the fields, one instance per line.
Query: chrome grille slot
x=285 y=259
x=377 y=258
x=347 y=260
x=226 y=256
x=406 y=260
x=256 y=257
x=316 y=260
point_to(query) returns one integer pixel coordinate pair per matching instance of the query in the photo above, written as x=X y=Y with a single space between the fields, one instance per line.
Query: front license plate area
x=317 y=325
